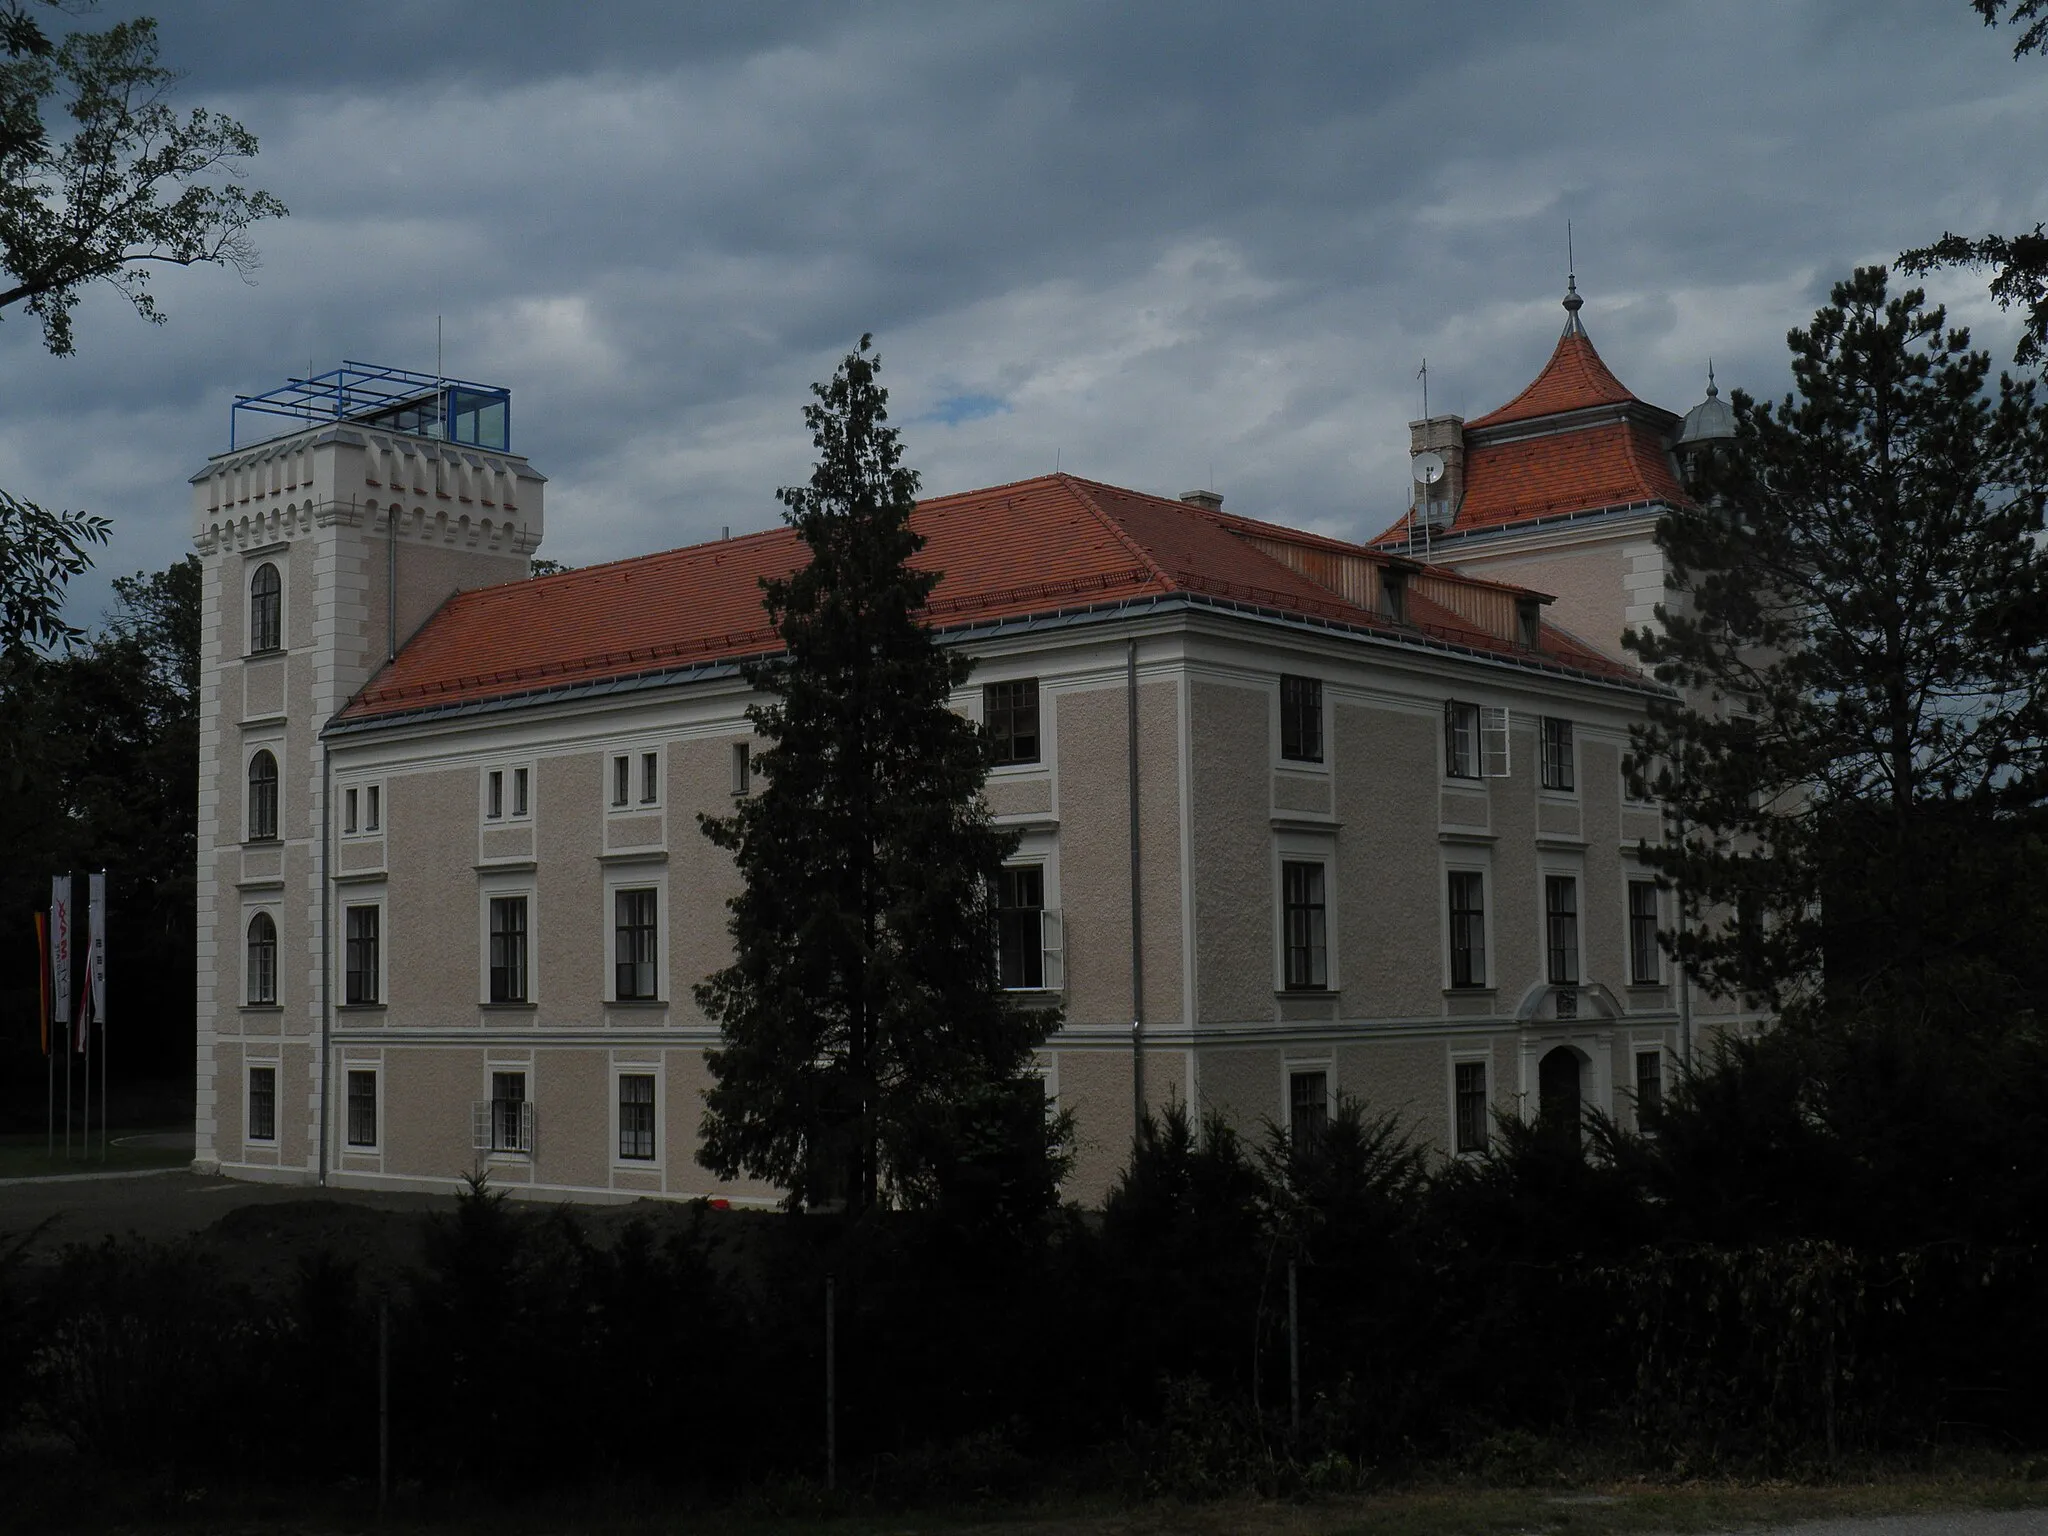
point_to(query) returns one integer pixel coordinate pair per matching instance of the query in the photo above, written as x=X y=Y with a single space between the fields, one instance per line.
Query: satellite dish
x=1428 y=468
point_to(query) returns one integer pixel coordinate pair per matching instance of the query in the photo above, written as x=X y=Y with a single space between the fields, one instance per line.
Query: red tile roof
x=1572 y=466
x=1573 y=379
x=1034 y=547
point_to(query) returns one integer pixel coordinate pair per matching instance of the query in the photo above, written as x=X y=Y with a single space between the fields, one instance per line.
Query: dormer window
x=1529 y=623
x=1394 y=594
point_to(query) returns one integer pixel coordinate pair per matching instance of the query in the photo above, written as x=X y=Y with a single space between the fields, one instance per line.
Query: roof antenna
x=1055 y=460
x=439 y=372
x=1572 y=301
x=1422 y=373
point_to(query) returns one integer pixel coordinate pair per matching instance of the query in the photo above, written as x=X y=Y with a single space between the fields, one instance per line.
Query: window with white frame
x=507 y=970
x=510 y=1124
x=636 y=1117
x=494 y=794
x=1643 y=968
x=362 y=1107
x=650 y=778
x=361 y=979
x=262 y=797
x=1304 y=926
x=266 y=609
x=262 y=969
x=262 y=1104
x=349 y=810
x=1470 y=1111
x=622 y=779
x=636 y=944
x=373 y=807
x=1301 y=719
x=1020 y=927
x=1461 y=740
x=1467 y=899
x=1560 y=762
x=521 y=804
x=1308 y=1105
x=1561 y=929
x=1649 y=1085
x=1010 y=716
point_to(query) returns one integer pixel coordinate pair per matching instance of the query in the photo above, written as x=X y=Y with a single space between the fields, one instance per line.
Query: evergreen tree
x=1856 y=762
x=864 y=1023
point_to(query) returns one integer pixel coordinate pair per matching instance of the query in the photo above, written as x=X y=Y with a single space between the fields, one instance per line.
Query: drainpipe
x=1684 y=978
x=390 y=580
x=1137 y=911
x=326 y=939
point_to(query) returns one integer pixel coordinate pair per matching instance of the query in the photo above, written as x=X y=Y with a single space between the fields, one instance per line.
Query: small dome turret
x=1711 y=421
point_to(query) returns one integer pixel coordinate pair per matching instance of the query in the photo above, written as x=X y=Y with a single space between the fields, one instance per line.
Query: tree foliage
x=129 y=184
x=1857 y=756
x=2018 y=263
x=864 y=1025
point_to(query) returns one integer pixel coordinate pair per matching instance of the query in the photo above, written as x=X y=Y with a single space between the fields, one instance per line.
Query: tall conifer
x=863 y=1020
x=1858 y=761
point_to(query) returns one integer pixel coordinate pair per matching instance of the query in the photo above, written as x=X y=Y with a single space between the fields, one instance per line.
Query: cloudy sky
x=1160 y=245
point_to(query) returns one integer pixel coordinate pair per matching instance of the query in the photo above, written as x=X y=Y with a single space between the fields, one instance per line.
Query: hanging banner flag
x=43 y=976
x=96 y=957
x=60 y=949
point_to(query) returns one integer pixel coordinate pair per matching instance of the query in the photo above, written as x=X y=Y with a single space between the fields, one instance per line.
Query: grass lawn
x=1620 y=1509
x=22 y=1154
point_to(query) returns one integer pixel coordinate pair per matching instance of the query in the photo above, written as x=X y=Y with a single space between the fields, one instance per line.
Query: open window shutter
x=1052 y=930
x=526 y=1125
x=480 y=1125
x=1493 y=741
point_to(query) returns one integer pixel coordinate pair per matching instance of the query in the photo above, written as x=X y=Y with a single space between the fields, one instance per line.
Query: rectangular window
x=633 y=945
x=1020 y=927
x=494 y=794
x=636 y=1116
x=359 y=957
x=1642 y=932
x=1468 y=928
x=622 y=773
x=1308 y=1106
x=1561 y=920
x=1649 y=1085
x=508 y=1112
x=1559 y=763
x=373 y=810
x=650 y=777
x=362 y=1109
x=1301 y=719
x=518 y=791
x=348 y=810
x=1012 y=713
x=508 y=949
x=1303 y=926
x=742 y=768
x=1461 y=740
x=263 y=1104
x=1470 y=1092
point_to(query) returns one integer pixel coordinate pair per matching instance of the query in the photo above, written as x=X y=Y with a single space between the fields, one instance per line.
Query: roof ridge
x=1116 y=529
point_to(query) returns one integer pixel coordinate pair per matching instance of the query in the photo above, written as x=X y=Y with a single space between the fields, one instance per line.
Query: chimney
x=1443 y=435
x=1208 y=501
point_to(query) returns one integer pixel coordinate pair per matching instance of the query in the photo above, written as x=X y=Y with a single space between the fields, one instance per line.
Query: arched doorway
x=1558 y=1092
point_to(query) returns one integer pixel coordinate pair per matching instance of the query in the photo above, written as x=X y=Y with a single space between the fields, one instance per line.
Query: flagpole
x=43 y=1027
x=99 y=994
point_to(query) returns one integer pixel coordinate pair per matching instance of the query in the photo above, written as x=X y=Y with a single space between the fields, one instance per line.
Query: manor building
x=1297 y=817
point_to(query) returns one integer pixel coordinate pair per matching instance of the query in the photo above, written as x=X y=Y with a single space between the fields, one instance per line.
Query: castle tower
x=323 y=550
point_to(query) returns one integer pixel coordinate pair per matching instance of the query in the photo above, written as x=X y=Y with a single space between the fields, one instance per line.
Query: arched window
x=262 y=796
x=266 y=609
x=1557 y=1082
x=262 y=959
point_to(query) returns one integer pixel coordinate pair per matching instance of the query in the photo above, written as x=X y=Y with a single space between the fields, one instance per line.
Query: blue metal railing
x=424 y=404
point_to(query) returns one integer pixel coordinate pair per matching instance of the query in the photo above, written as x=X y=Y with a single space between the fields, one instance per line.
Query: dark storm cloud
x=1157 y=244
